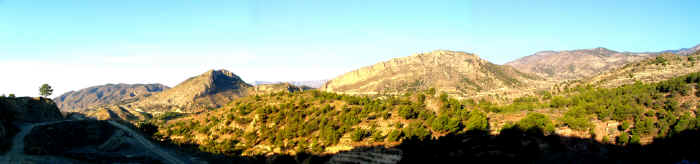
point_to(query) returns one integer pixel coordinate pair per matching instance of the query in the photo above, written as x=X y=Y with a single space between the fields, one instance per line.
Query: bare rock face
x=77 y=101
x=456 y=73
x=575 y=64
x=29 y=109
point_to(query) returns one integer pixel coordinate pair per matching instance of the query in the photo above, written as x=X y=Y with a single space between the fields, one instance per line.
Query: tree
x=477 y=121
x=45 y=90
x=623 y=138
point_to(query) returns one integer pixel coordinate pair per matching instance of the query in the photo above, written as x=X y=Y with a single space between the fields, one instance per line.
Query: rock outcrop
x=456 y=73
x=77 y=101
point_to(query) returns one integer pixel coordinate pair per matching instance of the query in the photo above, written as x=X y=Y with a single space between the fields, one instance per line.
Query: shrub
x=395 y=135
x=536 y=121
x=623 y=139
x=477 y=121
x=360 y=134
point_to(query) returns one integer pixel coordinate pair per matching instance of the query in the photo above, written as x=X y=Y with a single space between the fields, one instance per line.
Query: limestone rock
x=459 y=74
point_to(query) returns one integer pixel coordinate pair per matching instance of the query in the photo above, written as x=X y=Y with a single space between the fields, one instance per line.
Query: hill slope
x=456 y=73
x=662 y=67
x=208 y=90
x=575 y=64
x=75 y=101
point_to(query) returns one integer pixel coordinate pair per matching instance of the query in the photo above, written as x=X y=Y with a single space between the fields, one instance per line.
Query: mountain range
x=405 y=109
x=76 y=101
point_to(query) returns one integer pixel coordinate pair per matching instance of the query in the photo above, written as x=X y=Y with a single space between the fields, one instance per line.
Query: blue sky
x=73 y=44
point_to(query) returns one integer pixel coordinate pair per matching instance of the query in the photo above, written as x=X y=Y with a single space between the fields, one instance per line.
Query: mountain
x=684 y=51
x=208 y=90
x=662 y=67
x=80 y=100
x=456 y=73
x=311 y=83
x=575 y=64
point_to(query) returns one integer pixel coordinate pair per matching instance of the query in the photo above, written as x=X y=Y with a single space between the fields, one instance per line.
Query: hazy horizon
x=77 y=44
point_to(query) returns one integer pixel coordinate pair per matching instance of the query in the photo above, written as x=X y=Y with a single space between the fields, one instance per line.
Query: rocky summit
x=208 y=90
x=456 y=73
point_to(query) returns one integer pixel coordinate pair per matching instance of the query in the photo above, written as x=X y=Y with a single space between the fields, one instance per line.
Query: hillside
x=312 y=83
x=458 y=74
x=590 y=124
x=662 y=67
x=208 y=90
x=575 y=64
x=76 y=101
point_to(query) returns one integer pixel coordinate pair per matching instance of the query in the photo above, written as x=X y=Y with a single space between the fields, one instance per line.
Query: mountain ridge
x=456 y=73
x=82 y=99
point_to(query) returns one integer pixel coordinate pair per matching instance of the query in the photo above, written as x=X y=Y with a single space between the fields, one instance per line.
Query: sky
x=74 y=44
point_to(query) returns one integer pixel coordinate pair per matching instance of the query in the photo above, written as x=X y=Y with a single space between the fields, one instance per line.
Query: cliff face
x=576 y=64
x=29 y=109
x=456 y=73
x=77 y=101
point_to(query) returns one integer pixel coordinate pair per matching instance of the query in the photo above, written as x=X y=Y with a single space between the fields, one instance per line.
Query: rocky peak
x=213 y=87
x=454 y=72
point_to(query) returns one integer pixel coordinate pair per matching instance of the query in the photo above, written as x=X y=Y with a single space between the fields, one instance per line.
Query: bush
x=394 y=136
x=623 y=139
x=534 y=122
x=577 y=119
x=407 y=112
x=416 y=130
x=477 y=121
x=360 y=134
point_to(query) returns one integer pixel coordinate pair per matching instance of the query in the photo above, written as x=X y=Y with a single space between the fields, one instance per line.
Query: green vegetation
x=534 y=122
x=311 y=121
x=45 y=90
